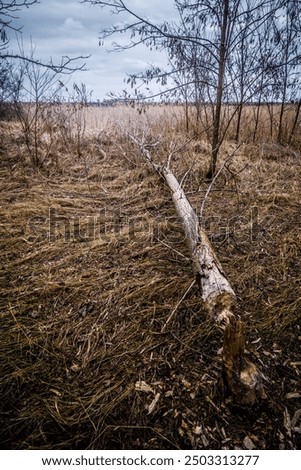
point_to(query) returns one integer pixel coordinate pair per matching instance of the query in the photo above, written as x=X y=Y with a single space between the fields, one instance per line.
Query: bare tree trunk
x=217 y=293
x=280 y=136
x=257 y=116
x=295 y=122
x=241 y=376
x=270 y=107
x=238 y=122
x=186 y=113
x=219 y=96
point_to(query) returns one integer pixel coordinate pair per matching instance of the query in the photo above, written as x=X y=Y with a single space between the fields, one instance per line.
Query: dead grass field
x=93 y=261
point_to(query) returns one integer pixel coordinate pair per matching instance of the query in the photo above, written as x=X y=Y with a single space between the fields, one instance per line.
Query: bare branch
x=64 y=67
x=8 y=13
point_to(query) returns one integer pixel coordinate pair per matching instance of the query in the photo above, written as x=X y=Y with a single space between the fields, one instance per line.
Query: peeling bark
x=241 y=376
x=217 y=293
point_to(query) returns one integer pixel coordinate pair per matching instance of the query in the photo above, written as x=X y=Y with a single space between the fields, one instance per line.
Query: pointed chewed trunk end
x=242 y=379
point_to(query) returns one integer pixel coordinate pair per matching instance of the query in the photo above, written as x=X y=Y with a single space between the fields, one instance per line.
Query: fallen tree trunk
x=217 y=293
x=241 y=376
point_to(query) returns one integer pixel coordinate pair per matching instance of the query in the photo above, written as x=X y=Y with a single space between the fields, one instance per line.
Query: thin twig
x=176 y=150
x=187 y=173
x=173 y=249
x=213 y=181
x=177 y=306
x=210 y=187
x=141 y=144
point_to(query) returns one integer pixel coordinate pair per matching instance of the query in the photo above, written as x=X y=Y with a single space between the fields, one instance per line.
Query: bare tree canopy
x=9 y=14
x=221 y=51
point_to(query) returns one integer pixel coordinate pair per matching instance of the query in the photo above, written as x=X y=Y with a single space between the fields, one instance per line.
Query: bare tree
x=278 y=78
x=8 y=14
x=201 y=45
x=287 y=37
x=36 y=91
x=28 y=85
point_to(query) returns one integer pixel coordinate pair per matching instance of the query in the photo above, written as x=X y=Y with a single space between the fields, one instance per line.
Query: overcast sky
x=68 y=27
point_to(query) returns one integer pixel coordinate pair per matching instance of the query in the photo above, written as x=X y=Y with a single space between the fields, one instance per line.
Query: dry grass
x=84 y=363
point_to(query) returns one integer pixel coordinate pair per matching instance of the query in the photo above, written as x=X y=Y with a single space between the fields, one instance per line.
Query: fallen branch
x=241 y=376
